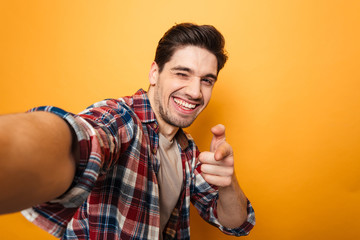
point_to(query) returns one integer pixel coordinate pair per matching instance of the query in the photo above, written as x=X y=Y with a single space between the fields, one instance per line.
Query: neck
x=166 y=129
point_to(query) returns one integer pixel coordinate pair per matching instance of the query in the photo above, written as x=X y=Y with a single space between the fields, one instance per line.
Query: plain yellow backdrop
x=289 y=95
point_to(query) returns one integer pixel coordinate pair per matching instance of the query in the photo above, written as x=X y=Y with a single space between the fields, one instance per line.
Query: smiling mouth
x=184 y=105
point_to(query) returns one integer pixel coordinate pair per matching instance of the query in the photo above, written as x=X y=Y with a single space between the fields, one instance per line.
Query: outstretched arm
x=218 y=169
x=37 y=160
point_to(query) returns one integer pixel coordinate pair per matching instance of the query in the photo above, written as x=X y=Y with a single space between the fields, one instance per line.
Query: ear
x=154 y=73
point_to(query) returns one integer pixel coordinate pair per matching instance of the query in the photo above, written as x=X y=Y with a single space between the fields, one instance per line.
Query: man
x=123 y=168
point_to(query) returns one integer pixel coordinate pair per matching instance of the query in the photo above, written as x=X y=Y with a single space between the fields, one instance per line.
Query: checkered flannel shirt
x=115 y=193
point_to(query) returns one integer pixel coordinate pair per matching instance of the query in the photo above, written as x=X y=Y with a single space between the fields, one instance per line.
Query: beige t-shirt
x=170 y=178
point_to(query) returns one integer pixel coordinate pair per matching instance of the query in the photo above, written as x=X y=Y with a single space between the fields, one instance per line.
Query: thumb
x=218 y=132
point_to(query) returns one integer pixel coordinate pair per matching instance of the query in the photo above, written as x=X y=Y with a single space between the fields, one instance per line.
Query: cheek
x=174 y=86
x=207 y=95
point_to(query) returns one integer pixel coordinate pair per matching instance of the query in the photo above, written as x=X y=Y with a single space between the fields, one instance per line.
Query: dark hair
x=183 y=34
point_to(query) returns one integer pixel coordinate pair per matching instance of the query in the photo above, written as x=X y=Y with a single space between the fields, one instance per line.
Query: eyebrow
x=189 y=70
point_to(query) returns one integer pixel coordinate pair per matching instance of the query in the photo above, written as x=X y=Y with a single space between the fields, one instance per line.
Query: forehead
x=198 y=59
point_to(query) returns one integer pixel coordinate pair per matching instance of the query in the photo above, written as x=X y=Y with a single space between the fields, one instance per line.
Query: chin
x=181 y=124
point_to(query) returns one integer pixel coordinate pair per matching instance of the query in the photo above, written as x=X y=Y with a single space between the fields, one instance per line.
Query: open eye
x=207 y=81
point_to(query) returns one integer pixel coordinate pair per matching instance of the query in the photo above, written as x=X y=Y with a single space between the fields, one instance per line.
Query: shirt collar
x=142 y=107
x=182 y=139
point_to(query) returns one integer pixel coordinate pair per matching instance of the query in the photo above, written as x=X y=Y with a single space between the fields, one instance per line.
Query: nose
x=193 y=90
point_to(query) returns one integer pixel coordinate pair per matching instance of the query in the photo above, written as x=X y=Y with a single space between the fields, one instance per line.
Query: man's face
x=183 y=88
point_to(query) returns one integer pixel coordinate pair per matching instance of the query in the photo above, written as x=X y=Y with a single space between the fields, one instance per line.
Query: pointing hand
x=218 y=164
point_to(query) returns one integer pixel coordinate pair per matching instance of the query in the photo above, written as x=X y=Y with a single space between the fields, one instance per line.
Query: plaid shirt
x=115 y=193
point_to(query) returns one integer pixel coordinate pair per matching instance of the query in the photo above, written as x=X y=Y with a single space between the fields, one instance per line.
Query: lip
x=183 y=110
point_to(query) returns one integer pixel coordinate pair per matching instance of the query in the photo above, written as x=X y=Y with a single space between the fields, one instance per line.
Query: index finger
x=218 y=131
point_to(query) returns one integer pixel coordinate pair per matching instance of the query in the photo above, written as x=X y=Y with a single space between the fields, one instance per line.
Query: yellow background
x=289 y=95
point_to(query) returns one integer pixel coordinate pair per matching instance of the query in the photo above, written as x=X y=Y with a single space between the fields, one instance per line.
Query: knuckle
x=204 y=168
x=227 y=181
x=230 y=171
x=200 y=157
x=206 y=177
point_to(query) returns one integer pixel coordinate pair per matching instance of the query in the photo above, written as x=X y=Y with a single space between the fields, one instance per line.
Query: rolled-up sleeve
x=204 y=197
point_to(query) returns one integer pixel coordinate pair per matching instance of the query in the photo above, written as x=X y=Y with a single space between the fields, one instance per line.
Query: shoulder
x=110 y=110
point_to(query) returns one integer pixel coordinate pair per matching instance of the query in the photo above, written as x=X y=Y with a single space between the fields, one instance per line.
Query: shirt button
x=154 y=150
x=154 y=125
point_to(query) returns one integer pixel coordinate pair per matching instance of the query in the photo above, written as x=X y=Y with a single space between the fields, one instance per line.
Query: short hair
x=184 y=34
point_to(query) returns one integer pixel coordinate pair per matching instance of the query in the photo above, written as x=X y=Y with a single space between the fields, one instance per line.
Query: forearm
x=36 y=161
x=232 y=205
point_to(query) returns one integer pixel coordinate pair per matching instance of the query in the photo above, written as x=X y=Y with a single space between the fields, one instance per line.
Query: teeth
x=184 y=104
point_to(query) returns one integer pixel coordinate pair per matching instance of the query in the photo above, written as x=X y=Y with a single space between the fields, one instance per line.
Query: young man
x=124 y=168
